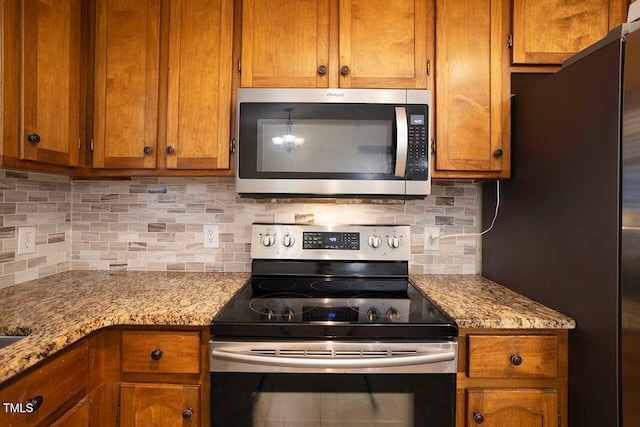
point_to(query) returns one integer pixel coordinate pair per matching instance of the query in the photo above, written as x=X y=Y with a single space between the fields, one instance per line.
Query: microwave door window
x=362 y=147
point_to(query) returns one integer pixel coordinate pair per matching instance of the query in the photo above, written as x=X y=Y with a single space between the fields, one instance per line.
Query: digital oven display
x=330 y=240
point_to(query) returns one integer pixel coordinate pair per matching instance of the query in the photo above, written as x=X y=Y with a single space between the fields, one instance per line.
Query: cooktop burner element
x=331 y=282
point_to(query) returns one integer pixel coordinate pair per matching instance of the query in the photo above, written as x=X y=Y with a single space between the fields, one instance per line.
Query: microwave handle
x=402 y=141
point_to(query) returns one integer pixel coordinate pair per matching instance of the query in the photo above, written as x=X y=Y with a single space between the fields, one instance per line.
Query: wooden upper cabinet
x=127 y=46
x=331 y=43
x=199 y=94
x=472 y=90
x=383 y=43
x=549 y=31
x=285 y=43
x=50 y=129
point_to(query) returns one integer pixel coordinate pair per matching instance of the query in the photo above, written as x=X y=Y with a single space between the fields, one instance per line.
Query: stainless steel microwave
x=358 y=143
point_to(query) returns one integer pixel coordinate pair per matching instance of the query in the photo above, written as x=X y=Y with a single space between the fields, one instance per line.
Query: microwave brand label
x=336 y=94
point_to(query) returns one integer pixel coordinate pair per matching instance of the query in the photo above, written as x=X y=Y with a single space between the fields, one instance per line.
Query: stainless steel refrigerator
x=568 y=228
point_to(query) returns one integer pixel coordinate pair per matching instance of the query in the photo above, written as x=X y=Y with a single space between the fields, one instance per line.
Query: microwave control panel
x=418 y=154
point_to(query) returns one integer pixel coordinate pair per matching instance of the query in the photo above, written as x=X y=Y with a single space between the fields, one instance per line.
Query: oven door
x=295 y=142
x=332 y=384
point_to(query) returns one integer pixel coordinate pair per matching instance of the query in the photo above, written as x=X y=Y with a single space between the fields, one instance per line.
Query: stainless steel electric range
x=330 y=331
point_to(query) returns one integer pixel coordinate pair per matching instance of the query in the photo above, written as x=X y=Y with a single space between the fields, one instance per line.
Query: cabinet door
x=550 y=31
x=199 y=106
x=126 y=84
x=166 y=405
x=472 y=89
x=51 y=81
x=512 y=407
x=383 y=43
x=285 y=43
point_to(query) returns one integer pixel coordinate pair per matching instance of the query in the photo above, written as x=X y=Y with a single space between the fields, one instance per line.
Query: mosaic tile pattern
x=39 y=200
x=155 y=224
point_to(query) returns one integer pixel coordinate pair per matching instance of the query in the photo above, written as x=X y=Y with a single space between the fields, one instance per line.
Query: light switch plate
x=210 y=232
x=26 y=239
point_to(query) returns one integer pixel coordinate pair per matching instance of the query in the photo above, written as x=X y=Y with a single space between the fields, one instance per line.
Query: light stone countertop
x=58 y=310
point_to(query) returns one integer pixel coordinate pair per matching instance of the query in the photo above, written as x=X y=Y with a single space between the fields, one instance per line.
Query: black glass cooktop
x=319 y=307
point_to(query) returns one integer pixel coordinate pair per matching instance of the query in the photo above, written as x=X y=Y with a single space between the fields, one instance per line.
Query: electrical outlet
x=431 y=238
x=210 y=232
x=26 y=239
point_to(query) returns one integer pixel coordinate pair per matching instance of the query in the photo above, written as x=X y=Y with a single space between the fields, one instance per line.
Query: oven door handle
x=402 y=141
x=330 y=363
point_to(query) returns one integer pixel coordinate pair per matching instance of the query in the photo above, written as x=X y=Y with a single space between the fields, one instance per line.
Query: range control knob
x=373 y=314
x=393 y=315
x=394 y=241
x=267 y=240
x=288 y=240
x=375 y=241
x=266 y=314
x=287 y=314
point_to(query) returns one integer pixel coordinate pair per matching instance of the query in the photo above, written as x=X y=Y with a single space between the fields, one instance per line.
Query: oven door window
x=317 y=141
x=354 y=400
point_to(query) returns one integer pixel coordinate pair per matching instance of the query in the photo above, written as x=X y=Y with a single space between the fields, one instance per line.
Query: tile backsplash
x=156 y=224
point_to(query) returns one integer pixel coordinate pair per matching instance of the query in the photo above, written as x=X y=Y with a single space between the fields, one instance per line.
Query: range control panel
x=331 y=242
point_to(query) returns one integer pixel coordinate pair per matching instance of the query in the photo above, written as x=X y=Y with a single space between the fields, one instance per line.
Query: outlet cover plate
x=431 y=238
x=210 y=232
x=26 y=239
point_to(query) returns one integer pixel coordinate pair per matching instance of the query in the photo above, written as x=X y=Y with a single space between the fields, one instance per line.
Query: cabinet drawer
x=161 y=352
x=53 y=385
x=519 y=356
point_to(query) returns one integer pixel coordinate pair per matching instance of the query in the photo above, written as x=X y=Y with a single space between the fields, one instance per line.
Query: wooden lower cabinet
x=512 y=407
x=512 y=378
x=159 y=404
x=47 y=391
x=163 y=379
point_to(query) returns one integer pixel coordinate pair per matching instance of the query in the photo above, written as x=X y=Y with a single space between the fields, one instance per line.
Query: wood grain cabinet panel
x=44 y=73
x=512 y=378
x=55 y=385
x=331 y=43
x=167 y=405
x=285 y=43
x=383 y=43
x=512 y=407
x=520 y=356
x=199 y=90
x=127 y=58
x=50 y=131
x=547 y=32
x=161 y=352
x=472 y=93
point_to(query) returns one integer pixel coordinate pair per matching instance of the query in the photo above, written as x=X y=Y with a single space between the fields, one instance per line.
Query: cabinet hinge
x=433 y=146
x=91 y=144
x=118 y=415
x=428 y=67
x=79 y=143
x=559 y=419
x=239 y=69
x=232 y=146
x=509 y=41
